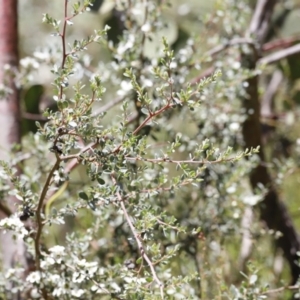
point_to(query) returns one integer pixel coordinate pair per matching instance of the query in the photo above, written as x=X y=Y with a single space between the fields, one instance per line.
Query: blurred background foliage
x=224 y=194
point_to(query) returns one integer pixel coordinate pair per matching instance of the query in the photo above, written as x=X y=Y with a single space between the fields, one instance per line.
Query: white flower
x=15 y=224
x=59 y=291
x=57 y=250
x=183 y=9
x=55 y=278
x=123 y=47
x=234 y=127
x=252 y=199
x=34 y=277
x=173 y=65
x=146 y=27
x=231 y=189
x=29 y=62
x=125 y=87
x=48 y=261
x=77 y=293
x=78 y=277
x=42 y=55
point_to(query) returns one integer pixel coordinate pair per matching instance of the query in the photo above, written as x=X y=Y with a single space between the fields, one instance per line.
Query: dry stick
x=139 y=242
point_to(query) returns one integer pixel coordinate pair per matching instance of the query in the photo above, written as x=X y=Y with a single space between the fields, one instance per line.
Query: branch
x=260 y=22
x=39 y=212
x=139 y=242
x=281 y=289
x=205 y=73
x=34 y=117
x=107 y=106
x=266 y=109
x=151 y=116
x=144 y=123
x=281 y=43
x=75 y=157
x=281 y=54
x=40 y=221
x=190 y=161
x=272 y=209
x=246 y=243
x=230 y=43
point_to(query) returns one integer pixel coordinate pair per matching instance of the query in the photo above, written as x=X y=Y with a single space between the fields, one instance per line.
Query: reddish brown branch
x=279 y=55
x=280 y=43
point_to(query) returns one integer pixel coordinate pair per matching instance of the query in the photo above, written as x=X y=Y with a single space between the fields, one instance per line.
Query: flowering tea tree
x=133 y=185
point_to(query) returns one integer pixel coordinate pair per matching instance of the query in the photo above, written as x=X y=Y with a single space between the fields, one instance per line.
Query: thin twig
x=39 y=211
x=139 y=242
x=281 y=43
x=205 y=73
x=151 y=116
x=257 y=17
x=34 y=117
x=107 y=106
x=266 y=109
x=76 y=156
x=260 y=22
x=39 y=220
x=281 y=54
x=168 y=225
x=190 y=161
x=281 y=289
x=246 y=243
x=230 y=43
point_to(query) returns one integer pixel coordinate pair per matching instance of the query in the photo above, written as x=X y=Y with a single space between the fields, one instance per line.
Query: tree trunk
x=12 y=250
x=272 y=210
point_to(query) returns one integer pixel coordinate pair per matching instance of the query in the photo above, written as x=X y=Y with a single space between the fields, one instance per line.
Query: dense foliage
x=135 y=184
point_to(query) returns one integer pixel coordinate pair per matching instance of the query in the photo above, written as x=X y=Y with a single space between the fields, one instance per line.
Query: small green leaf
x=101 y=180
x=83 y=196
x=145 y=111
